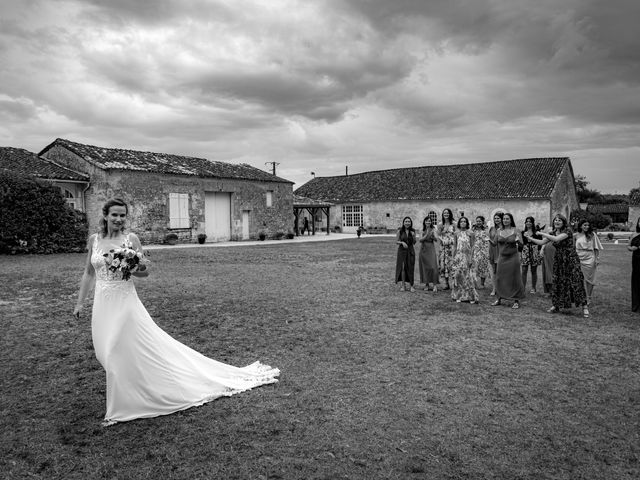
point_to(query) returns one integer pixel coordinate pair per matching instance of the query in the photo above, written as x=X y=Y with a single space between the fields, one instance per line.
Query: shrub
x=279 y=235
x=35 y=218
x=171 y=238
x=597 y=220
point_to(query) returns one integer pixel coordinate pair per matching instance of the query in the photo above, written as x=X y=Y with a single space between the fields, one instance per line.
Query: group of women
x=461 y=256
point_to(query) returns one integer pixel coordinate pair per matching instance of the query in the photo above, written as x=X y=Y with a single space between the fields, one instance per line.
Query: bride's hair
x=105 y=211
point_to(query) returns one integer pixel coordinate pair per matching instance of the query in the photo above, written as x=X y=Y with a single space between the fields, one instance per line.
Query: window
x=269 y=198
x=351 y=215
x=68 y=196
x=434 y=218
x=178 y=210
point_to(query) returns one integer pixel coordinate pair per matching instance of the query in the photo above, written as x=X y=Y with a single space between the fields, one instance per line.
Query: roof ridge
x=419 y=167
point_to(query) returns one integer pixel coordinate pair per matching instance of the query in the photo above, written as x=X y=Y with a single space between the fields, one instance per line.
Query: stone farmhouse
x=167 y=193
x=378 y=200
x=72 y=184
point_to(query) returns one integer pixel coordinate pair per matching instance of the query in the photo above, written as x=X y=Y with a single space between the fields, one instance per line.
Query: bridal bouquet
x=124 y=259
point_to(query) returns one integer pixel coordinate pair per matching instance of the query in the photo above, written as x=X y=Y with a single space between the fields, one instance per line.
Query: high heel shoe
x=585 y=312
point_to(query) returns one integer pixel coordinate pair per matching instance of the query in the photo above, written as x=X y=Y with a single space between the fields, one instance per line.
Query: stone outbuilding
x=378 y=200
x=71 y=183
x=177 y=194
x=618 y=212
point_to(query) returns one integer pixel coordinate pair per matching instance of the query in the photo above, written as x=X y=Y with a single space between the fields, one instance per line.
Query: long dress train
x=149 y=373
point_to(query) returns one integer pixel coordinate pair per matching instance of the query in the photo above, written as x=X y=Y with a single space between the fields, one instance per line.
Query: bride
x=149 y=373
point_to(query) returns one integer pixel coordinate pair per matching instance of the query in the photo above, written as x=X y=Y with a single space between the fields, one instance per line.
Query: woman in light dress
x=446 y=233
x=588 y=248
x=508 y=271
x=148 y=372
x=463 y=288
x=482 y=266
x=428 y=257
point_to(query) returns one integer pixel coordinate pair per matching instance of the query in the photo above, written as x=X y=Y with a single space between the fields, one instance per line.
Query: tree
x=597 y=220
x=35 y=218
x=586 y=195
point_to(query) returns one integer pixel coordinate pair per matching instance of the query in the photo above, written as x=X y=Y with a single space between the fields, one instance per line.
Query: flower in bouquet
x=125 y=260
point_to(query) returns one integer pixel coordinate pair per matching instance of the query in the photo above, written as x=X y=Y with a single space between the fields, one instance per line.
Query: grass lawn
x=375 y=384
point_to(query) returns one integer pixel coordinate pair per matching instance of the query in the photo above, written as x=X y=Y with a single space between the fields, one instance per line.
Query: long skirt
x=405 y=264
x=509 y=274
x=428 y=263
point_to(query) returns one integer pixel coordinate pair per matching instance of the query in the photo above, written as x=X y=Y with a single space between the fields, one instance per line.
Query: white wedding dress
x=149 y=373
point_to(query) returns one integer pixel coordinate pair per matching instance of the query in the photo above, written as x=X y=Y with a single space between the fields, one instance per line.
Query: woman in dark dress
x=548 y=253
x=568 y=281
x=406 y=259
x=493 y=249
x=634 y=246
x=508 y=271
x=428 y=258
x=530 y=256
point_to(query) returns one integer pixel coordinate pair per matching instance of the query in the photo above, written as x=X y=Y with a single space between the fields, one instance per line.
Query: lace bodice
x=108 y=283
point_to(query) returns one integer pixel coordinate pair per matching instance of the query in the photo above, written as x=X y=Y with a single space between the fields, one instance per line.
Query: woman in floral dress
x=463 y=288
x=446 y=233
x=568 y=281
x=530 y=255
x=428 y=258
x=481 y=246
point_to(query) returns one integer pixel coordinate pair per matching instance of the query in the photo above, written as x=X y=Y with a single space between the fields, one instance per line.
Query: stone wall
x=148 y=197
x=389 y=215
x=563 y=197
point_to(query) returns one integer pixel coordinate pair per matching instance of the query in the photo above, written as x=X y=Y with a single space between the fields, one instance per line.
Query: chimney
x=346 y=170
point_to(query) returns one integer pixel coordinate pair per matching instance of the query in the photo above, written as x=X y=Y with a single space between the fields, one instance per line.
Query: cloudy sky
x=320 y=85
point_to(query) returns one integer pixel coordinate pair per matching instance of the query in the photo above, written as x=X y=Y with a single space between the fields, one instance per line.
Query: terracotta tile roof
x=606 y=208
x=523 y=178
x=24 y=162
x=120 y=159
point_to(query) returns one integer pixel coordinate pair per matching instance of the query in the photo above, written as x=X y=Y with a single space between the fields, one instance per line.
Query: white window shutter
x=184 y=210
x=174 y=216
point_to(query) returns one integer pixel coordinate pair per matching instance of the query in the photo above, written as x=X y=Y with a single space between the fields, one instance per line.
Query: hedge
x=35 y=218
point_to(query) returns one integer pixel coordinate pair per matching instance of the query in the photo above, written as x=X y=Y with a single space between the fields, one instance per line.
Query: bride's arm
x=142 y=270
x=88 y=279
